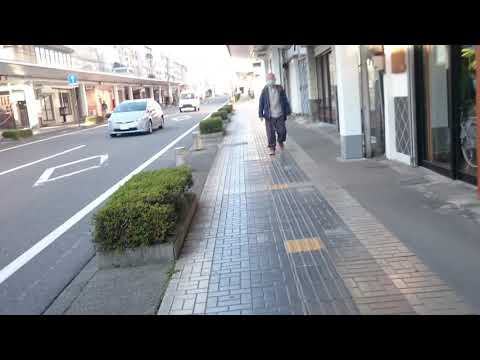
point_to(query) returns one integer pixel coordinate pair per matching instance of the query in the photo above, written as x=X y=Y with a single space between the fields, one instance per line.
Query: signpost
x=72 y=80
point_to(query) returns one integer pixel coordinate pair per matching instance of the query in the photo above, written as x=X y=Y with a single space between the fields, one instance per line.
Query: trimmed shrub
x=211 y=125
x=223 y=113
x=132 y=224
x=228 y=108
x=158 y=187
x=17 y=134
x=144 y=211
x=220 y=114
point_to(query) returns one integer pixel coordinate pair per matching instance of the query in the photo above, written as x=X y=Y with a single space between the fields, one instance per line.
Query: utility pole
x=168 y=79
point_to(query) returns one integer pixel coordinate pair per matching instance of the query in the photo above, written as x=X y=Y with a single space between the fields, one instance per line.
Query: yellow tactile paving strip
x=278 y=187
x=304 y=245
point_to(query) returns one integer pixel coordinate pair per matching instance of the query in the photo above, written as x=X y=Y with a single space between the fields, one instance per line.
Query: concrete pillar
x=151 y=93
x=115 y=95
x=313 y=100
x=277 y=65
x=181 y=154
x=130 y=93
x=32 y=106
x=83 y=100
x=349 y=103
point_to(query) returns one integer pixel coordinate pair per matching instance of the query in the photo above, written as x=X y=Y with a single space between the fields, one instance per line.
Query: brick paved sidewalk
x=271 y=237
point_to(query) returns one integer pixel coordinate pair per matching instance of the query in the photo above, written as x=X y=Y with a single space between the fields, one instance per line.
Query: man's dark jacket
x=264 y=103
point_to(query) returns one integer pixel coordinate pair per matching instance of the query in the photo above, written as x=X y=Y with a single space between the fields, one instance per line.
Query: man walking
x=274 y=108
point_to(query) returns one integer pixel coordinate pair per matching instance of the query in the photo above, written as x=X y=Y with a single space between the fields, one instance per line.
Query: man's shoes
x=282 y=147
x=271 y=152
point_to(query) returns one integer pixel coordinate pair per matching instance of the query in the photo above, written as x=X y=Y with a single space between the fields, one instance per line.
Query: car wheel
x=180 y=110
x=162 y=123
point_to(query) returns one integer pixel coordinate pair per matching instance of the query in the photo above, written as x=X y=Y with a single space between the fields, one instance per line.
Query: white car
x=134 y=116
x=189 y=100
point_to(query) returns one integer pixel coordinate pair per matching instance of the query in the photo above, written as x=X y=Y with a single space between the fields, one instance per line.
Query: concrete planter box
x=156 y=254
x=214 y=136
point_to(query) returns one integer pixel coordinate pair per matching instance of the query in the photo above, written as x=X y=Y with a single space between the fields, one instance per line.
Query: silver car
x=136 y=116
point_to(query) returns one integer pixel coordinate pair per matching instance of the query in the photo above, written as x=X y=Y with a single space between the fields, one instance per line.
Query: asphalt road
x=37 y=203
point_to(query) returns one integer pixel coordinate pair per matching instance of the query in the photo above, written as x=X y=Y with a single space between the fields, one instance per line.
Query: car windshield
x=187 y=96
x=131 y=106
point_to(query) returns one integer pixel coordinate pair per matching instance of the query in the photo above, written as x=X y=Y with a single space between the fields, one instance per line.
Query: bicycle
x=468 y=140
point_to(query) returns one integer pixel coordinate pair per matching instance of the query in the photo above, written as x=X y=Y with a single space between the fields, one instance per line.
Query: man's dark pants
x=275 y=127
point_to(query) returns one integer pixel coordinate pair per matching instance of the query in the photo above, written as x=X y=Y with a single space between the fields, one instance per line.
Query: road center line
x=40 y=160
x=28 y=255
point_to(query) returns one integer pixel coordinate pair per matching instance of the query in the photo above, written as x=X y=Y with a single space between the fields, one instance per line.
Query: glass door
x=376 y=108
x=446 y=109
x=433 y=107
x=466 y=159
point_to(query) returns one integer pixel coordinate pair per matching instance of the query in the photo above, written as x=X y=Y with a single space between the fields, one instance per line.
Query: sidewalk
x=278 y=235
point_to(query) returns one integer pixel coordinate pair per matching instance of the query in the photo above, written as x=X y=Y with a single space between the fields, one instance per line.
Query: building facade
x=415 y=104
x=34 y=91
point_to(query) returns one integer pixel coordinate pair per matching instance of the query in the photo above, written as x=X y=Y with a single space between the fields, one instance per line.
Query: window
x=47 y=108
x=131 y=106
x=41 y=53
x=37 y=54
x=65 y=102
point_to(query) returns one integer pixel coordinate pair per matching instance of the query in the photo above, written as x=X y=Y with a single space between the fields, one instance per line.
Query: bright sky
x=210 y=62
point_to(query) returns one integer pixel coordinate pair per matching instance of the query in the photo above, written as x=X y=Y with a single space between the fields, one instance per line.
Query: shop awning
x=12 y=69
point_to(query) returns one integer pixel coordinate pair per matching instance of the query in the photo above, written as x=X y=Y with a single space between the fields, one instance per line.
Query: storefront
x=58 y=104
x=327 y=87
x=17 y=105
x=445 y=81
x=372 y=92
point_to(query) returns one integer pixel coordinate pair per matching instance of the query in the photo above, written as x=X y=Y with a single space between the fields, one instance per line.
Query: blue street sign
x=72 y=79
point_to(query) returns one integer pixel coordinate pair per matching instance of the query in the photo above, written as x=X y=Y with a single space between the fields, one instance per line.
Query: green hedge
x=17 y=134
x=211 y=125
x=224 y=113
x=220 y=114
x=144 y=211
x=228 y=108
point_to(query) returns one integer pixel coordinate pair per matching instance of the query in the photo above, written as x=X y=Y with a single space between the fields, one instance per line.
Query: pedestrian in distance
x=274 y=108
x=104 y=107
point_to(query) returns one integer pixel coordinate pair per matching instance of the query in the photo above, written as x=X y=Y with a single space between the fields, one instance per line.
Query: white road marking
x=45 y=177
x=28 y=255
x=181 y=118
x=40 y=160
x=51 y=138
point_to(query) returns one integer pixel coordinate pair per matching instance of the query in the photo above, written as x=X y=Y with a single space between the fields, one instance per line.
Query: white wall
x=348 y=87
x=294 y=90
x=394 y=85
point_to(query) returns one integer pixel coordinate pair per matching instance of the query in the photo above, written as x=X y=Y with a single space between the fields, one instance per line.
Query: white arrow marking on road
x=181 y=118
x=45 y=177
x=40 y=160
x=28 y=255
